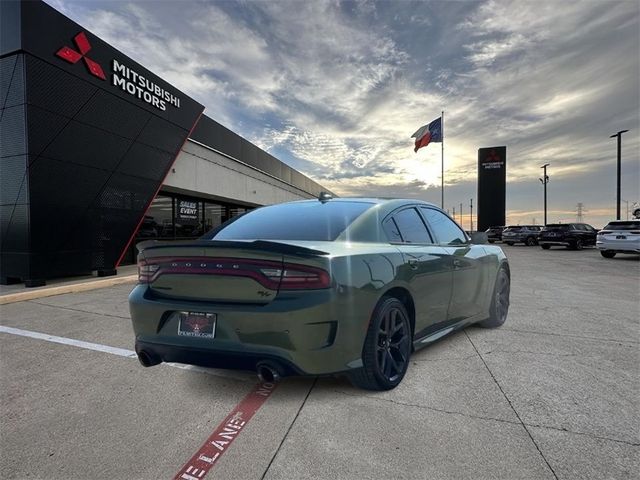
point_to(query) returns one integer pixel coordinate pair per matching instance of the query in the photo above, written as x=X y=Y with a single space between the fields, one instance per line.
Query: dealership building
x=98 y=153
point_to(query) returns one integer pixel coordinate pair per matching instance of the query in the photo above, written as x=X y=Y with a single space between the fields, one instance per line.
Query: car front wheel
x=545 y=246
x=387 y=347
x=531 y=241
x=607 y=253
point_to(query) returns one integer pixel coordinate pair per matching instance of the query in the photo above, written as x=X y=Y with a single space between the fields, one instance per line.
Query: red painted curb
x=225 y=433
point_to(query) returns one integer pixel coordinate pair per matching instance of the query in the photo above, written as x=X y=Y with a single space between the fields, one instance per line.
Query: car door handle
x=413 y=263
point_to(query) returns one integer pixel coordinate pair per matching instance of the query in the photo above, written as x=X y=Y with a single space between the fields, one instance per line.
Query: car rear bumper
x=205 y=357
x=560 y=243
x=300 y=333
x=620 y=246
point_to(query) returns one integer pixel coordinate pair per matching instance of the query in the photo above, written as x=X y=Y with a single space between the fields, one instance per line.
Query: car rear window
x=630 y=225
x=315 y=221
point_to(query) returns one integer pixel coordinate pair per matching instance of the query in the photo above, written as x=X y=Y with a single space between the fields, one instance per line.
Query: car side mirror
x=479 y=238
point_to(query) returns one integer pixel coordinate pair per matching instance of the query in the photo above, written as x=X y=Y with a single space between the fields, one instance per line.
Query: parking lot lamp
x=619 y=135
x=544 y=180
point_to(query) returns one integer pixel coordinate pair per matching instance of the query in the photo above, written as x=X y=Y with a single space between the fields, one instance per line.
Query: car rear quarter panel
x=496 y=259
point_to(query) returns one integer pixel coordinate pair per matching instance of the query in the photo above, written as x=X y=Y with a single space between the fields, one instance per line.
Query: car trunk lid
x=228 y=271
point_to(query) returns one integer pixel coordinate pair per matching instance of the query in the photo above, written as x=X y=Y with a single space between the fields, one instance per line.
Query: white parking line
x=121 y=352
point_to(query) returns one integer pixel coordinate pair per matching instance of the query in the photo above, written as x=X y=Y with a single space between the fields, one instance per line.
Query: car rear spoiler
x=276 y=247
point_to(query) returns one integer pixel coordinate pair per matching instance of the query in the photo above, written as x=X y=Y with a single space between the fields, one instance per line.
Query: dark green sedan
x=317 y=287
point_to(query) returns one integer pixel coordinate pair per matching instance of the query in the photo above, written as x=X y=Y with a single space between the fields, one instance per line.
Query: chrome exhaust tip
x=268 y=373
x=148 y=359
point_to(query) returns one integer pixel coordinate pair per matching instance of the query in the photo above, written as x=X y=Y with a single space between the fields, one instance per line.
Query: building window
x=214 y=215
x=177 y=217
x=235 y=211
x=158 y=222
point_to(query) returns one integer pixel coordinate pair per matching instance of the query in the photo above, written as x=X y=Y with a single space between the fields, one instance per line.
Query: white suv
x=619 y=236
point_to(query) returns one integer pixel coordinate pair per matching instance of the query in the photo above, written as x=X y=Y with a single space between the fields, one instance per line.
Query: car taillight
x=298 y=277
x=146 y=271
x=272 y=275
x=303 y=277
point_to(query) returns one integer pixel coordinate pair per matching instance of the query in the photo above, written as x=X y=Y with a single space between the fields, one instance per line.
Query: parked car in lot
x=571 y=235
x=527 y=234
x=317 y=287
x=494 y=234
x=619 y=236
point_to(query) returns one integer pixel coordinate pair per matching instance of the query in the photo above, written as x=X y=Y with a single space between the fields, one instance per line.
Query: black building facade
x=87 y=137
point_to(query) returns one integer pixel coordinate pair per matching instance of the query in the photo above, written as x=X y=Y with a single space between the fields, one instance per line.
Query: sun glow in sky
x=335 y=89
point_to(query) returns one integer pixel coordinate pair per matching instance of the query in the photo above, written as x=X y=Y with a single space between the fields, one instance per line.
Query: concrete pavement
x=552 y=394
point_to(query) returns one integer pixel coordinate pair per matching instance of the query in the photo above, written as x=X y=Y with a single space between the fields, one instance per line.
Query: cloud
x=336 y=88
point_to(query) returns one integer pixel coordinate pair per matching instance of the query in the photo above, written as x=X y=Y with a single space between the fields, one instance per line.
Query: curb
x=71 y=288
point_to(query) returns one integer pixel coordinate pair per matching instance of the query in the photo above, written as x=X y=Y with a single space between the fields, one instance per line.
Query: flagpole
x=442 y=165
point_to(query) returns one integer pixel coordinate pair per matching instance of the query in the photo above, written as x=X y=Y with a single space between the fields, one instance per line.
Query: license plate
x=621 y=237
x=197 y=324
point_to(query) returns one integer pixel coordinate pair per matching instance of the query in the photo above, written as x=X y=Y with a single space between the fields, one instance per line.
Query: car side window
x=391 y=230
x=411 y=227
x=445 y=229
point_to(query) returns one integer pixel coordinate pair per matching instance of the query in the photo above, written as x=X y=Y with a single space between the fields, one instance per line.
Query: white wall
x=203 y=172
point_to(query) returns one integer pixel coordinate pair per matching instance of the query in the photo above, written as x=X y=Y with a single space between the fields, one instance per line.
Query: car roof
x=372 y=200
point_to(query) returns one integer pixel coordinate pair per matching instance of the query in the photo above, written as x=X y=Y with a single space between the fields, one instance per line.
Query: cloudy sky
x=335 y=89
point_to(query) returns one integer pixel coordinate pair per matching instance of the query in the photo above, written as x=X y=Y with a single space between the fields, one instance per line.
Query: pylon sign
x=492 y=179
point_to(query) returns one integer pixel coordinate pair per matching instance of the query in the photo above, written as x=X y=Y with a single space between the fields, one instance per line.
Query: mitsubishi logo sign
x=72 y=56
x=124 y=77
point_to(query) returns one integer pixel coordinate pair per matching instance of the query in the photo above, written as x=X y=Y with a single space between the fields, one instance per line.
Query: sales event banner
x=187 y=212
x=492 y=178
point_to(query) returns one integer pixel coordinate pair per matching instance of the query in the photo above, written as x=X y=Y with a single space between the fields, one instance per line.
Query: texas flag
x=428 y=133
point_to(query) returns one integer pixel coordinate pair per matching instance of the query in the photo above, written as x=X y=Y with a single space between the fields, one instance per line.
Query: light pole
x=619 y=135
x=544 y=180
x=471 y=214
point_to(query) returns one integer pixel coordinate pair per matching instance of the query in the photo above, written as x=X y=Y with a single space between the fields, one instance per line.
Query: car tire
x=509 y=243
x=499 y=302
x=530 y=242
x=607 y=253
x=576 y=244
x=545 y=246
x=387 y=347
x=491 y=241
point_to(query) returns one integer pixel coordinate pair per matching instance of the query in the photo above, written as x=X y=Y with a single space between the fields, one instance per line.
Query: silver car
x=619 y=236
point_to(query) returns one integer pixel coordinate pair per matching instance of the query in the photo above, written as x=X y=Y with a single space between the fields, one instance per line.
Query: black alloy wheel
x=577 y=244
x=531 y=241
x=500 y=301
x=387 y=347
